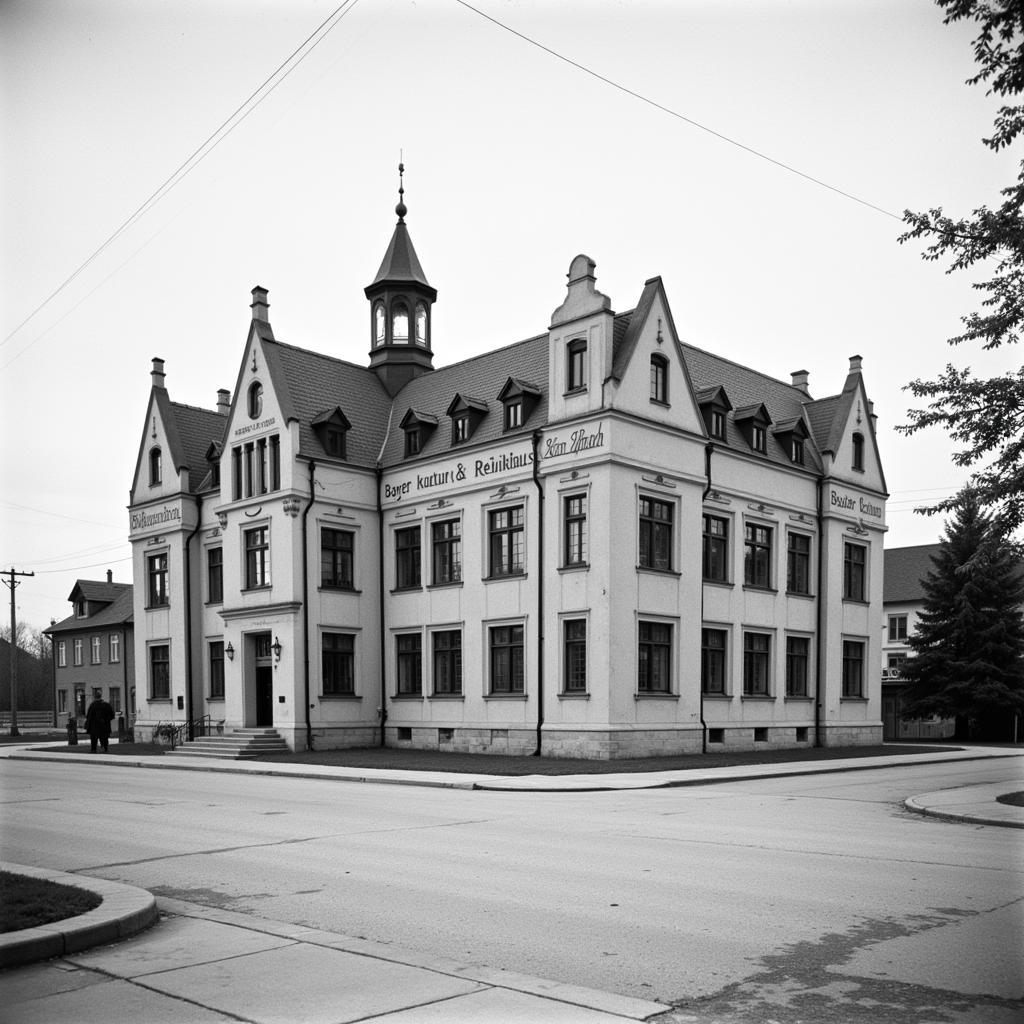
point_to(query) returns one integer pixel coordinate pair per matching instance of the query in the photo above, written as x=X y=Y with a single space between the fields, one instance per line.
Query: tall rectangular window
x=576 y=529
x=659 y=379
x=654 y=658
x=62 y=701
x=160 y=672
x=798 y=564
x=897 y=628
x=410 y=664
x=62 y=653
x=216 y=670
x=250 y=481
x=575 y=632
x=338 y=664
x=507 y=541
x=797 y=661
x=712 y=660
x=78 y=650
x=236 y=472
x=715 y=554
x=336 y=547
x=407 y=558
x=756 y=664
x=507 y=674
x=261 y=466
x=655 y=534
x=447 y=543
x=576 y=365
x=757 y=556
x=115 y=699
x=257 y=558
x=157 y=571
x=514 y=414
x=717 y=429
x=448 y=662
x=275 y=463
x=97 y=650
x=855 y=558
x=853 y=668
x=214 y=575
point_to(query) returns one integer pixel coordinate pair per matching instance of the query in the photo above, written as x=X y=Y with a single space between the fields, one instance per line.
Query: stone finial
x=855 y=364
x=259 y=305
x=583 y=298
x=158 y=373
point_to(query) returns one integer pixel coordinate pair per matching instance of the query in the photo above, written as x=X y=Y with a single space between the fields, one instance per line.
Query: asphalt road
x=816 y=896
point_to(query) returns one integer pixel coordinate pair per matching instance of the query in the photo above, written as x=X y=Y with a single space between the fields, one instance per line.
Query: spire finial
x=401 y=208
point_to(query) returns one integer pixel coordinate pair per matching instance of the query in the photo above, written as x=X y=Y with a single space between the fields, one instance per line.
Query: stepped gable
x=197 y=429
x=481 y=377
x=746 y=387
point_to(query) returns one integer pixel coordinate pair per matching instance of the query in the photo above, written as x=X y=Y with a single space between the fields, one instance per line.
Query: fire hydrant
x=72 y=731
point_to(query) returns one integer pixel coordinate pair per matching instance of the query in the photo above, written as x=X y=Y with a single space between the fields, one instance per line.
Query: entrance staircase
x=236 y=745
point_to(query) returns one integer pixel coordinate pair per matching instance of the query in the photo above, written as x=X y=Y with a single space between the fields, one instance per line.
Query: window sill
x=214 y=700
x=759 y=589
x=337 y=590
x=504 y=696
x=717 y=696
x=159 y=700
x=800 y=697
x=210 y=604
x=762 y=697
x=661 y=402
x=448 y=696
x=718 y=583
x=574 y=696
x=853 y=700
x=406 y=696
x=650 y=569
x=573 y=392
x=340 y=696
x=453 y=585
x=801 y=594
x=259 y=586
x=655 y=696
x=157 y=607
x=406 y=590
x=575 y=567
x=504 y=577
x=856 y=600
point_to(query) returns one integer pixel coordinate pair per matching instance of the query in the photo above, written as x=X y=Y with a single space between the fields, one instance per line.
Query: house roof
x=197 y=430
x=117 y=613
x=400 y=262
x=904 y=570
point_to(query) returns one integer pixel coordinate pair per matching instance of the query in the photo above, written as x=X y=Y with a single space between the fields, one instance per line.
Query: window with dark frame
x=576 y=368
x=448 y=662
x=513 y=414
x=712 y=660
x=654 y=657
x=757 y=556
x=460 y=428
x=236 y=472
x=858 y=451
x=334 y=442
x=338 y=664
x=155 y=467
x=257 y=558
x=659 y=379
x=62 y=654
x=412 y=441
x=507 y=541
x=575 y=633
x=798 y=564
x=796 y=450
x=797 y=663
x=275 y=462
x=157 y=573
x=655 y=534
x=575 y=506
x=854 y=571
x=255 y=403
x=409 y=648
x=759 y=438
x=214 y=575
x=160 y=672
x=718 y=421
x=715 y=554
x=97 y=650
x=897 y=628
x=507 y=666
x=407 y=558
x=756 y=663
x=216 y=670
x=114 y=652
x=853 y=668
x=447 y=544
x=77 y=646
x=336 y=558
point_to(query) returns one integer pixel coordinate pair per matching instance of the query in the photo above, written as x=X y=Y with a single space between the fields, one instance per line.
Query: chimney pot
x=800 y=378
x=223 y=401
x=259 y=305
x=158 y=372
x=855 y=363
x=110 y=575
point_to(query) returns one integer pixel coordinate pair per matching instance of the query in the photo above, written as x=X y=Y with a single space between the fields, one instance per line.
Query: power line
x=57 y=515
x=75 y=568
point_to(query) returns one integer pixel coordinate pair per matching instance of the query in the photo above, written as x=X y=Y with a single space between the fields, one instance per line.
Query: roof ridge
x=490 y=352
x=194 y=408
x=749 y=369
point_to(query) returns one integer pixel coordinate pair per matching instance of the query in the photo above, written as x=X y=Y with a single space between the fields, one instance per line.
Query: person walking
x=97 y=723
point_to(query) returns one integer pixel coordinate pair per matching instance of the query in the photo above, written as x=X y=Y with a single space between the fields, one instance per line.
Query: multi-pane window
x=216 y=670
x=796 y=450
x=655 y=534
x=460 y=428
x=507 y=665
x=214 y=575
x=756 y=655
x=576 y=368
x=160 y=672
x=400 y=324
x=256 y=467
x=97 y=650
x=336 y=558
x=575 y=632
x=712 y=660
x=78 y=650
x=257 y=558
x=407 y=558
x=715 y=555
x=797 y=662
x=513 y=414
x=897 y=628
x=659 y=379
x=338 y=664
x=757 y=556
x=507 y=541
x=157 y=572
x=798 y=564
x=410 y=664
x=448 y=662
x=576 y=529
x=62 y=653
x=855 y=558
x=412 y=441
x=654 y=657
x=421 y=324
x=717 y=429
x=894 y=663
x=853 y=668
x=447 y=544
x=759 y=438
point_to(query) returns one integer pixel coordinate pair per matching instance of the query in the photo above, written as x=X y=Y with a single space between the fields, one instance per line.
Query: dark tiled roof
x=400 y=262
x=197 y=430
x=904 y=570
x=117 y=613
x=822 y=414
x=98 y=590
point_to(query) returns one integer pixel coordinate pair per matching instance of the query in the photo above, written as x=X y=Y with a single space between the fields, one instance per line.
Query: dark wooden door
x=264 y=696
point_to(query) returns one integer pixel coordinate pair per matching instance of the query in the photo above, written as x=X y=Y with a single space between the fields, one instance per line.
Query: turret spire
x=401 y=209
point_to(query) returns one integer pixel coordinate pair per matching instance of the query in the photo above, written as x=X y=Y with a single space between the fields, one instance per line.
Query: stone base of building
x=848 y=735
x=333 y=737
x=509 y=742
x=616 y=744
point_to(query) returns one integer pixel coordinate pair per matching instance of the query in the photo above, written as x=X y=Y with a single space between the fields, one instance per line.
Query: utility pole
x=12 y=583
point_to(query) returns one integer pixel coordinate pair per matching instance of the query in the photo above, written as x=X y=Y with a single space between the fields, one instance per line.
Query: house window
x=756 y=650
x=410 y=664
x=757 y=556
x=79 y=700
x=798 y=564
x=97 y=650
x=261 y=466
x=576 y=529
x=575 y=679
x=62 y=654
x=160 y=672
x=460 y=428
x=421 y=325
x=412 y=441
x=400 y=324
x=115 y=699
x=853 y=668
x=858 y=451
x=378 y=324
x=275 y=462
x=506 y=659
x=447 y=541
x=216 y=670
x=338 y=663
x=897 y=628
x=797 y=661
x=78 y=650
x=334 y=442
x=250 y=480
x=507 y=541
x=717 y=429
x=655 y=534
x=854 y=565
x=514 y=414
x=336 y=559
x=158 y=595
x=407 y=558
x=796 y=450
x=257 y=558
x=448 y=662
x=894 y=663
x=654 y=658
x=712 y=660
x=80 y=609
x=759 y=438
x=255 y=400
x=576 y=365
x=659 y=379
x=214 y=575
x=62 y=701
x=715 y=554
x=155 y=467
x=236 y=472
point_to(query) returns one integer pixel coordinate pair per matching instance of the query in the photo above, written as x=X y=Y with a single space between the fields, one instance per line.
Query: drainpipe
x=540 y=591
x=188 y=616
x=305 y=600
x=383 y=710
x=819 y=666
x=708 y=450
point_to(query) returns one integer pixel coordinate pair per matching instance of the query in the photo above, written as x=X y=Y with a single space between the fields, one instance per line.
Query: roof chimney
x=800 y=378
x=158 y=373
x=110 y=575
x=223 y=401
x=259 y=305
x=855 y=362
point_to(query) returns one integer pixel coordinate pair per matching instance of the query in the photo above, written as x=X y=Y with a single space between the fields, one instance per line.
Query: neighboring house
x=597 y=542
x=35 y=688
x=94 y=651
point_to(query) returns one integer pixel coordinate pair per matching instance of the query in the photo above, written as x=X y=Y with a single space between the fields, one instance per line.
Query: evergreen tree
x=967 y=657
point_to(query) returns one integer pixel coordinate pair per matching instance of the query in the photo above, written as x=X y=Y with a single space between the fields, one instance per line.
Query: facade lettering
x=848 y=503
x=251 y=428
x=143 y=520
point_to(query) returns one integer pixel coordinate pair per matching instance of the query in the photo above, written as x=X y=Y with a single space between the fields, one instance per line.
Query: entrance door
x=264 y=696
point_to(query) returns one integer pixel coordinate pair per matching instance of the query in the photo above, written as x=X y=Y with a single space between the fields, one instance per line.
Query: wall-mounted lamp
x=276 y=648
x=230 y=651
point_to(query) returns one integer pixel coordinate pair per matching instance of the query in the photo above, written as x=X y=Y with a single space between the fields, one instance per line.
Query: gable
x=852 y=444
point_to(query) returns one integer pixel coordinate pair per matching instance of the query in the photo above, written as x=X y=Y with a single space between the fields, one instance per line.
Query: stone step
x=236 y=745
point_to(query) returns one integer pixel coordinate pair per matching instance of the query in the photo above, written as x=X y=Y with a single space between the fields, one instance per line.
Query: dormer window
x=792 y=436
x=717 y=428
x=255 y=405
x=858 y=452
x=418 y=427
x=576 y=365
x=155 y=467
x=714 y=406
x=519 y=400
x=400 y=324
x=460 y=428
x=213 y=453
x=379 y=321
x=80 y=610
x=514 y=414
x=759 y=438
x=421 y=325
x=334 y=442
x=466 y=414
x=659 y=379
x=412 y=441
x=796 y=450
x=331 y=428
x=754 y=421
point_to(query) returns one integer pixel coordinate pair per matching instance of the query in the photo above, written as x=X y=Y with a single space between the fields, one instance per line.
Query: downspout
x=540 y=591
x=383 y=709
x=305 y=600
x=819 y=666
x=708 y=450
x=188 y=616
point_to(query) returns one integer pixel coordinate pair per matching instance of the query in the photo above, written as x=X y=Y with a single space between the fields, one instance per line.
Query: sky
x=515 y=161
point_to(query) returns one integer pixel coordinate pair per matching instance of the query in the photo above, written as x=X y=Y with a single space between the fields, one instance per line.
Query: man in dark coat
x=97 y=722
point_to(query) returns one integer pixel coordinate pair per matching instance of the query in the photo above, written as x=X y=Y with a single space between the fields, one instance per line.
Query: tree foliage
x=985 y=416
x=968 y=647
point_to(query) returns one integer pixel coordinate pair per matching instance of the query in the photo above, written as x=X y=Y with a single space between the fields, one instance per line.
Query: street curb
x=911 y=804
x=125 y=911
